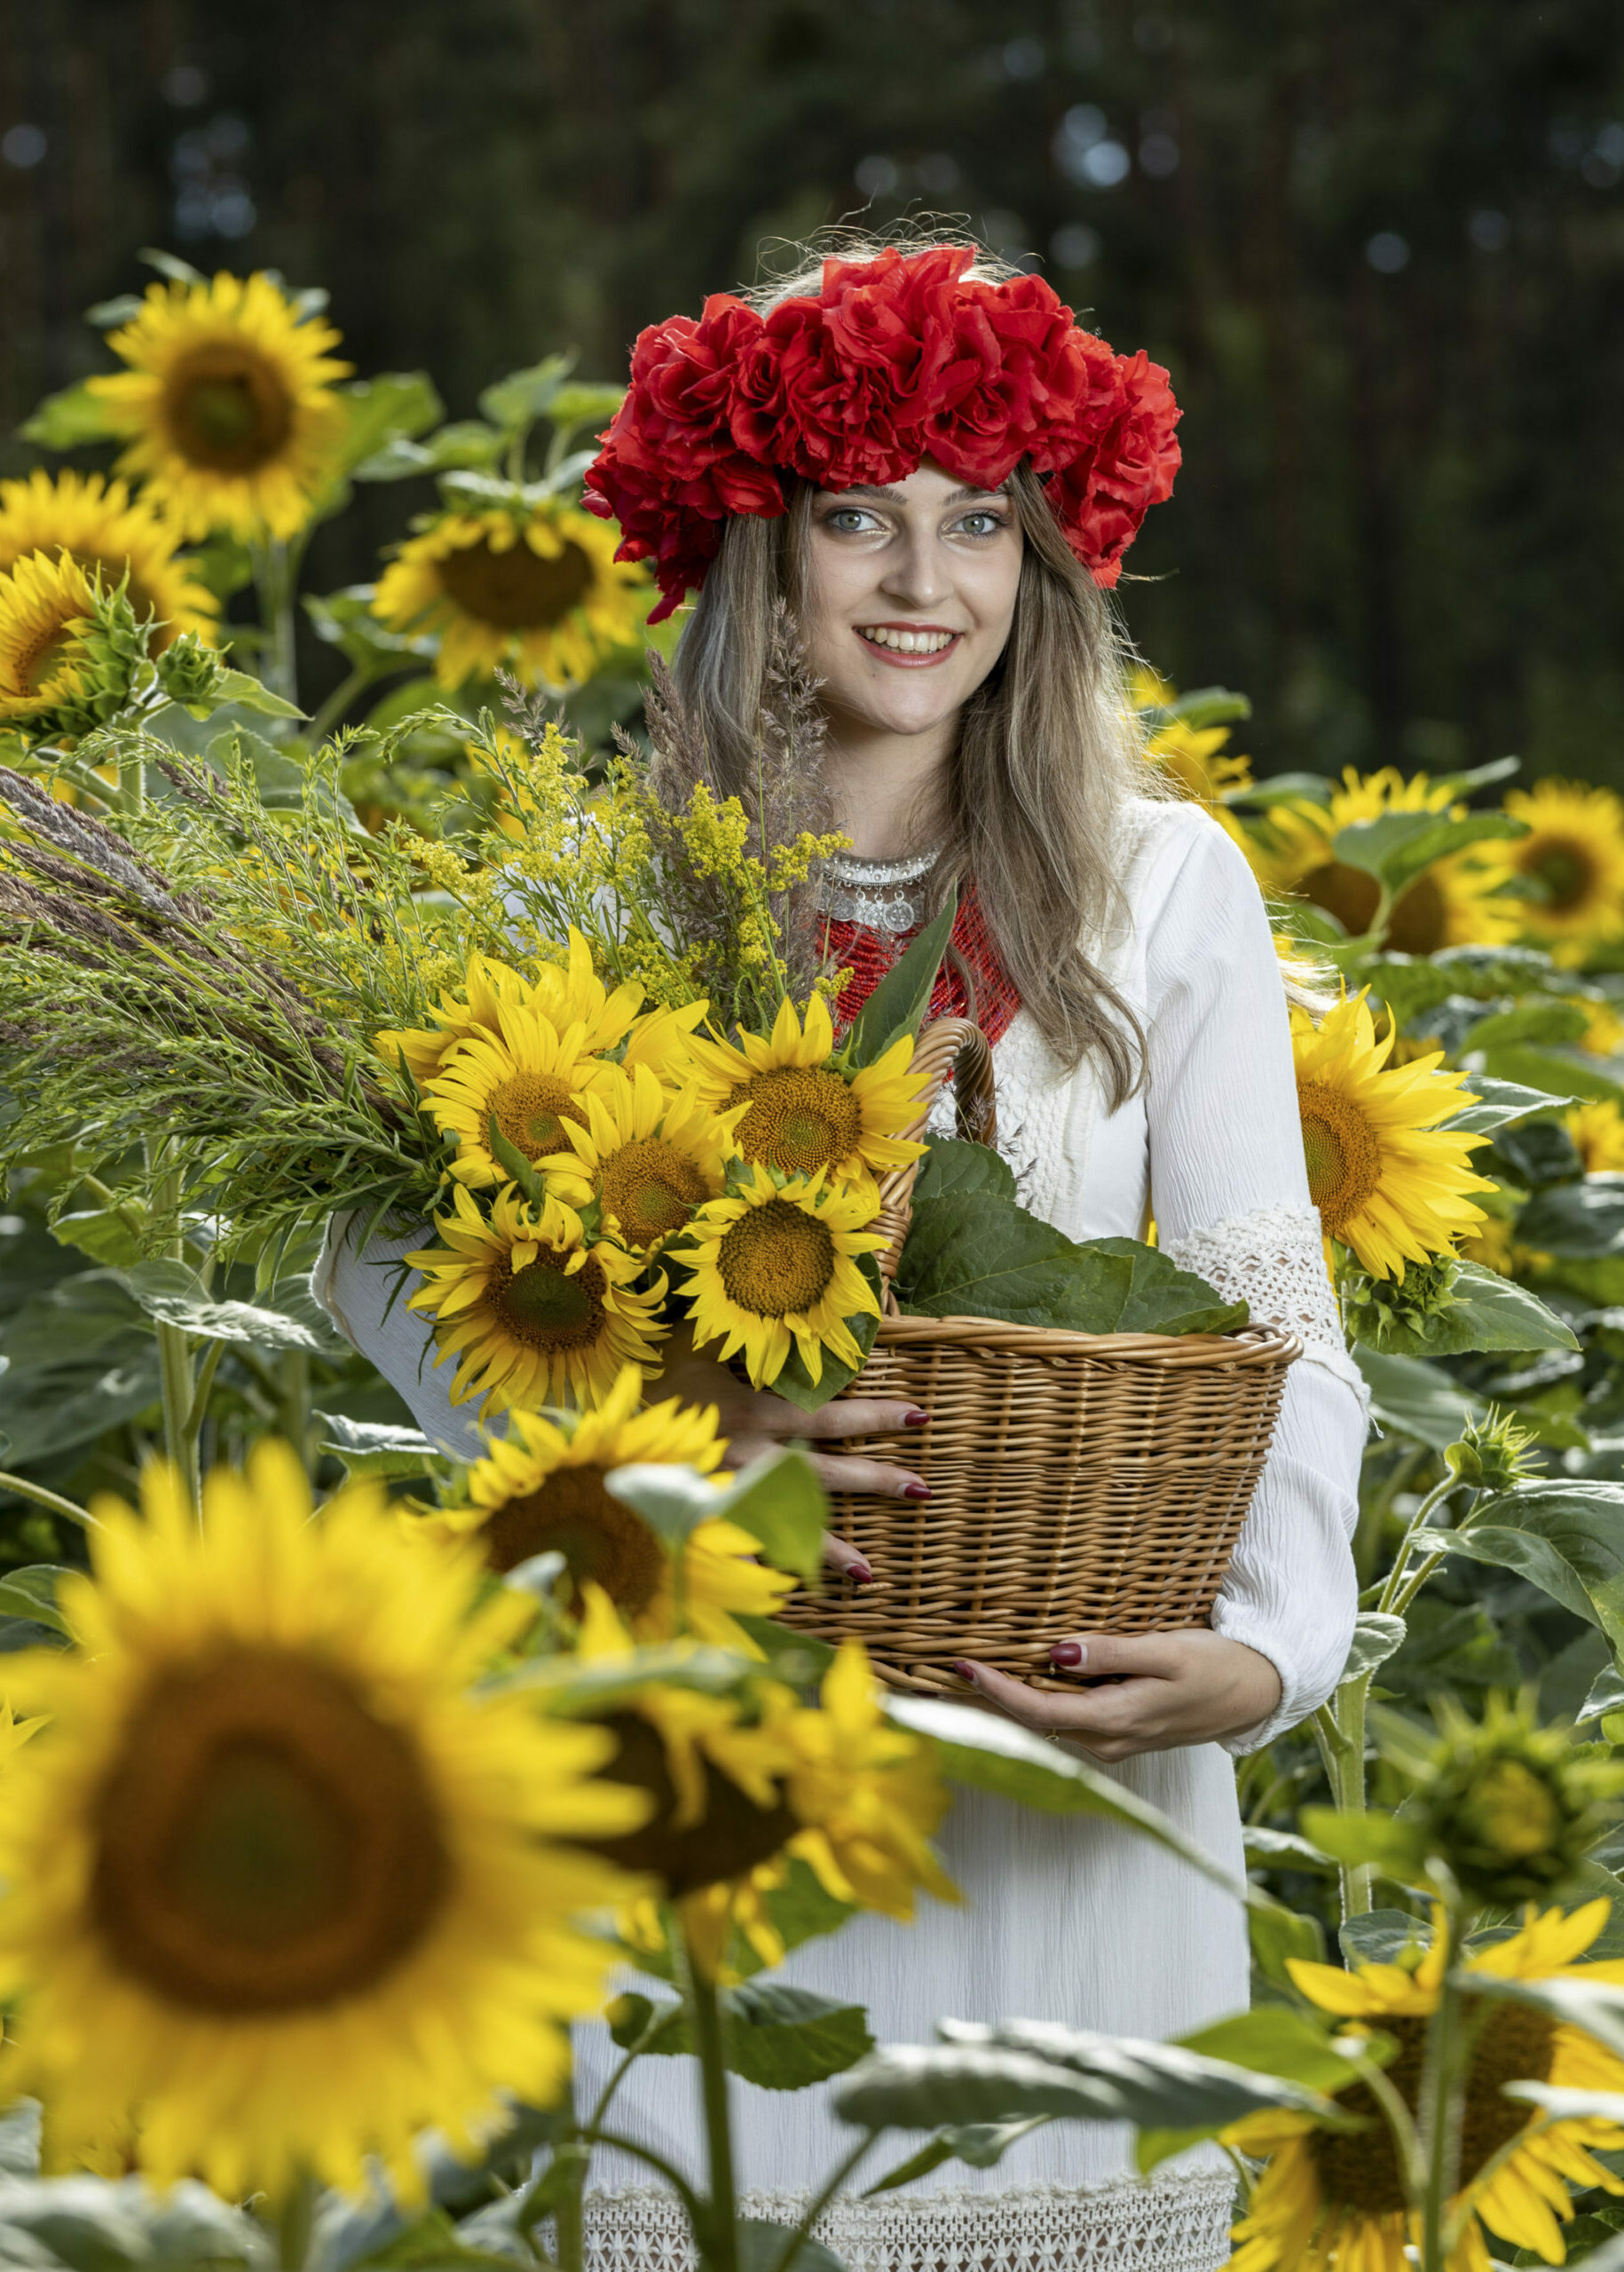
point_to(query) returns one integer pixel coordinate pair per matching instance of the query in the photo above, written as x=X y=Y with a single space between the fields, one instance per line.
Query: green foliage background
x=1400 y=525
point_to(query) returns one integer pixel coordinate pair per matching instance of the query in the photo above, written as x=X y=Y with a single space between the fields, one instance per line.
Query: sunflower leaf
x=32 y=1593
x=524 y=395
x=1581 y=1219
x=951 y=1164
x=66 y=421
x=1398 y=846
x=1541 y=1070
x=1415 y=1401
x=1565 y=1536
x=1499 y=1102
x=381 y=409
x=982 y=2144
x=1485 y=1311
x=973 y=1254
x=903 y=996
x=782 y=1505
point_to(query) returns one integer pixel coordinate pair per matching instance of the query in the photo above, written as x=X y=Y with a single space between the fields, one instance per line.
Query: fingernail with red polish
x=860 y=1571
x=916 y=1419
x=1065 y=1653
x=965 y=1671
x=916 y=1490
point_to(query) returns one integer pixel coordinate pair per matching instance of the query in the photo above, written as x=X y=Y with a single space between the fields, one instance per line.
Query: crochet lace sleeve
x=1274 y=1260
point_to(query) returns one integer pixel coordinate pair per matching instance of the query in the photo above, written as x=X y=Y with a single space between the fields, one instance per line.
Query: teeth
x=908 y=643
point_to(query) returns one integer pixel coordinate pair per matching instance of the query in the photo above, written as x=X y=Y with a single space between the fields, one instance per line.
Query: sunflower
x=649 y=1159
x=805 y=1115
x=527 y=1077
x=833 y=1783
x=540 y=1490
x=532 y=1313
x=1332 y=2201
x=538 y=589
x=230 y=402
x=280 y=1888
x=1458 y=901
x=565 y=994
x=1198 y=758
x=44 y=607
x=96 y=522
x=1388 y=1181
x=1573 y=857
x=773 y=1267
x=1597 y=1131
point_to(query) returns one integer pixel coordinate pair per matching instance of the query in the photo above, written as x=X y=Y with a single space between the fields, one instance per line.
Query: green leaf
x=174 y=1295
x=1566 y=1536
x=1357 y=1836
x=1416 y=1400
x=672 y=1501
x=1485 y=1311
x=369 y=1447
x=586 y=403
x=1276 y=1934
x=1381 y=1936
x=982 y=2144
x=899 y=1002
x=1557 y=1076
x=1162 y=1298
x=100 y=1232
x=1500 y=1102
x=249 y=693
x=68 y=420
x=1582 y=1219
x=1375 y=1637
x=970 y=1254
x=1277 y=2039
x=1201 y=706
x=1398 y=846
x=1281 y=1849
x=381 y=409
x=780 y=1502
x=171 y=265
x=32 y=1593
x=951 y=1165
x=1544 y=1022
x=524 y=395
x=513 y=1162
x=465 y=443
x=994 y=1755
x=784 y=2039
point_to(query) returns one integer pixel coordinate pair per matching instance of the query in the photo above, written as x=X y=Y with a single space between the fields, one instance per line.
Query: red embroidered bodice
x=869 y=954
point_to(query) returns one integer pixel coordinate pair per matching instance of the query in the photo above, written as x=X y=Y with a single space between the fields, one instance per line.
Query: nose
x=916 y=575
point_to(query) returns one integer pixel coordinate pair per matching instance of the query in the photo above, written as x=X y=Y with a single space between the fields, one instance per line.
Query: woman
x=940 y=474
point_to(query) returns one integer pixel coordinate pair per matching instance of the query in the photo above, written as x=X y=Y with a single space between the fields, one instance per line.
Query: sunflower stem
x=38 y=1492
x=719 y=2243
x=1442 y=2103
x=569 y=2207
x=293 y=1411
x=1348 y=1783
x=296 y=2218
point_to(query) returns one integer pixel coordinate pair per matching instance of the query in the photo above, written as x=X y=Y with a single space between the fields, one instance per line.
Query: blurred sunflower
x=1459 y=901
x=648 y=1158
x=1332 y=2201
x=1597 y=1131
x=805 y=1115
x=230 y=402
x=280 y=1888
x=1573 y=857
x=1388 y=1181
x=96 y=522
x=540 y=1490
x=1197 y=757
x=773 y=1267
x=45 y=608
x=539 y=590
x=1603 y=1033
x=532 y=1313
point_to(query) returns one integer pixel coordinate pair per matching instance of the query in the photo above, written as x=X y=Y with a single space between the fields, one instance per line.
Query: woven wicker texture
x=1080 y=1482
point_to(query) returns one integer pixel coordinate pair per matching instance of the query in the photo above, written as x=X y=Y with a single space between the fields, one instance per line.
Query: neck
x=885 y=787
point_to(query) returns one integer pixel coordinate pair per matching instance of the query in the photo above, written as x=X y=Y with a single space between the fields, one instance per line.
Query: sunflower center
x=651 y=1188
x=1344 y=1160
x=571 y=1514
x=776 y=1260
x=801 y=1119
x=731 y=1837
x=226 y=410
x=544 y=1309
x=1565 y=867
x=1358 y=2169
x=531 y=1109
x=265 y=1843
x=516 y=590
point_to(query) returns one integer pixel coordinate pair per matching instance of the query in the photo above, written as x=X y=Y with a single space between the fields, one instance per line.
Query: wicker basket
x=1081 y=1482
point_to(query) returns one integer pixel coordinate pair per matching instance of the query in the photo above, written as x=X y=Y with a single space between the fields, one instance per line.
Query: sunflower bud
x=1513 y=1808
x=188 y=671
x=1496 y=1456
x=1377 y=1309
x=113 y=669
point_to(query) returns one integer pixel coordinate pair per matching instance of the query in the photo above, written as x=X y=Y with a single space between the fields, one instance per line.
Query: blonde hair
x=1048 y=751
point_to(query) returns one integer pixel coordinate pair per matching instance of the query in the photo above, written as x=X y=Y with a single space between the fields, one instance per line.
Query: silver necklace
x=874 y=892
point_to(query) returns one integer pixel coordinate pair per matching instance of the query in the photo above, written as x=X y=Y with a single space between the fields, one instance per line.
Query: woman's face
x=911 y=592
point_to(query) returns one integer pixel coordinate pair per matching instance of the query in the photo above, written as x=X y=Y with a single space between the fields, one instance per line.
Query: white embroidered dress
x=1063 y=1919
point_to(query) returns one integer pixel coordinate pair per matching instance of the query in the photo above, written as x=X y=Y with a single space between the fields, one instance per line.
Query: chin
x=910 y=709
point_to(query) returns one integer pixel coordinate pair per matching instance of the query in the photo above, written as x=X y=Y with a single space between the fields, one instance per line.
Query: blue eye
x=848 y=519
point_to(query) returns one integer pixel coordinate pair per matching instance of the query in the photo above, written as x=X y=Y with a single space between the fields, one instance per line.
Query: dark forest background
x=1380 y=246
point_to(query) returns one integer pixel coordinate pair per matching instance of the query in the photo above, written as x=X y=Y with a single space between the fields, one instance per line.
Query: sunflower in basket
x=540 y=1490
x=649 y=1159
x=772 y=1268
x=527 y=1077
x=534 y=1312
x=805 y=1114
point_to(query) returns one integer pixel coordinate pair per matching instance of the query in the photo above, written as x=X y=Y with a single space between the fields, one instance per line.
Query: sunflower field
x=338 y=1775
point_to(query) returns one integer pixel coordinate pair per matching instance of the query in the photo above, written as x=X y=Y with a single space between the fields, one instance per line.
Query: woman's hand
x=755 y=1421
x=1160 y=1689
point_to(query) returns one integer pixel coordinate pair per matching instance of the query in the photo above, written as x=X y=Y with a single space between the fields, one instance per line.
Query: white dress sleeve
x=1230 y=1195
x=364 y=1295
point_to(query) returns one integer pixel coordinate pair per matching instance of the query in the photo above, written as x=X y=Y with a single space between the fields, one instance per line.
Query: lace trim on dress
x=1275 y=1261
x=1176 y=2224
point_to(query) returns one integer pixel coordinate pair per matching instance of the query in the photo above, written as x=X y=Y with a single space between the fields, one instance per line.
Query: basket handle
x=952 y=1045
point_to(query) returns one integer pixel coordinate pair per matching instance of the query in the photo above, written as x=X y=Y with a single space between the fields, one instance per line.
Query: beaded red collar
x=894 y=359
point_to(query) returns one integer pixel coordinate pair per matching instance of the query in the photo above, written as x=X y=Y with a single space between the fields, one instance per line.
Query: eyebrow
x=895 y=496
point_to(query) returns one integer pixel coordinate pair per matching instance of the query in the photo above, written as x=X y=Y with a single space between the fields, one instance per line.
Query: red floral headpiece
x=898 y=358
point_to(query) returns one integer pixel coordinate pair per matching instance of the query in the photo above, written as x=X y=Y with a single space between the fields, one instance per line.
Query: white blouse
x=1064 y=1919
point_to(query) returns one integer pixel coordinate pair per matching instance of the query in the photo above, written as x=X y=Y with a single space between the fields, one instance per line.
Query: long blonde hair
x=1047 y=755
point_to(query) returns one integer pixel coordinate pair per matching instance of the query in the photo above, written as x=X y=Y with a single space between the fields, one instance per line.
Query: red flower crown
x=898 y=358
